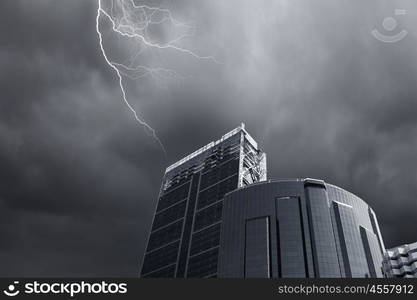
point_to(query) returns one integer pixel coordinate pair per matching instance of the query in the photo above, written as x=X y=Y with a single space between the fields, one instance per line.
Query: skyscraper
x=185 y=234
x=401 y=261
x=298 y=228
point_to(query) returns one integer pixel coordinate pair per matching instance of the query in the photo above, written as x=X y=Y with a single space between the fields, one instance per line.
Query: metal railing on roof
x=209 y=146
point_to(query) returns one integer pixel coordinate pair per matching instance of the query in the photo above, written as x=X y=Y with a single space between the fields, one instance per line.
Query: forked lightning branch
x=131 y=21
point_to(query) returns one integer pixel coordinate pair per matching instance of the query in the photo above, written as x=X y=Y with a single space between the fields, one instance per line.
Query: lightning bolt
x=133 y=22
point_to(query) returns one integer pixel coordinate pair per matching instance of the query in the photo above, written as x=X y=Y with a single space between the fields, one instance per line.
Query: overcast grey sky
x=79 y=177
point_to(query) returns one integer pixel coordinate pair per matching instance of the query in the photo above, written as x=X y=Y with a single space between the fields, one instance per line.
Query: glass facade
x=309 y=228
x=257 y=248
x=351 y=247
x=292 y=252
x=216 y=216
x=323 y=242
x=185 y=233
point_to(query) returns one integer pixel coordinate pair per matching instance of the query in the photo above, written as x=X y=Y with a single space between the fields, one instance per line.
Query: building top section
x=210 y=145
x=304 y=182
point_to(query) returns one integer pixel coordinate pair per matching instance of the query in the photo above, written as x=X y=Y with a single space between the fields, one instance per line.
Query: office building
x=401 y=262
x=185 y=234
x=301 y=228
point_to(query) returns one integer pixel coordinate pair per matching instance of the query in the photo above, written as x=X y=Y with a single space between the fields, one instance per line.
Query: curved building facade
x=301 y=228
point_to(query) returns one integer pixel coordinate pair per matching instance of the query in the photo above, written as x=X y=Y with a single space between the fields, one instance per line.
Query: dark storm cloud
x=79 y=178
x=76 y=178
